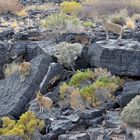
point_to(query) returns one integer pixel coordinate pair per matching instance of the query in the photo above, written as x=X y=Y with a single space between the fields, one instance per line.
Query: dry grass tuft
x=10 y=5
x=130 y=24
x=10 y=69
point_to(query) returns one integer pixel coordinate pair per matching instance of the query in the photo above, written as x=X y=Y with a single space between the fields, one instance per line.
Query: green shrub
x=80 y=77
x=72 y=7
x=120 y=17
x=67 y=53
x=88 y=24
x=62 y=23
x=24 y=127
x=99 y=88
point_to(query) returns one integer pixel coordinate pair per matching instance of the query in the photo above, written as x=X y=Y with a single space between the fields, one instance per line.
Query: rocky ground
x=35 y=44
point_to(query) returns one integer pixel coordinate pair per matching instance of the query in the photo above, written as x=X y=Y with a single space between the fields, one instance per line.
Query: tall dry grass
x=9 y=5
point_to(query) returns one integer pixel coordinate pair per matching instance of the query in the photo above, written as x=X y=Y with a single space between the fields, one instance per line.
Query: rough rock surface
x=130 y=90
x=14 y=95
x=120 y=57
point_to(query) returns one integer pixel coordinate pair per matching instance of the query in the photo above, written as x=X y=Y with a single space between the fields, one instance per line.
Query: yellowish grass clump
x=72 y=7
x=130 y=24
x=22 y=13
x=11 y=68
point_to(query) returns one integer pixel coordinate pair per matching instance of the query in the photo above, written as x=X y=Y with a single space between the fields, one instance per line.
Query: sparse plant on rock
x=25 y=127
x=71 y=7
x=99 y=72
x=95 y=87
x=61 y=23
x=88 y=24
x=22 y=13
x=119 y=17
x=10 y=69
x=67 y=53
x=80 y=77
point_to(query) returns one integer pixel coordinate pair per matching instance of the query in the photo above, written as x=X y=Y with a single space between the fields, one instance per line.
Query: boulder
x=120 y=57
x=130 y=90
x=6 y=34
x=14 y=95
x=91 y=114
x=54 y=74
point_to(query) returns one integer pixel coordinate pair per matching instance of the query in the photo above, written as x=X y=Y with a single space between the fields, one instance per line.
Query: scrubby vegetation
x=67 y=53
x=25 y=127
x=95 y=86
x=72 y=7
x=62 y=23
x=11 y=68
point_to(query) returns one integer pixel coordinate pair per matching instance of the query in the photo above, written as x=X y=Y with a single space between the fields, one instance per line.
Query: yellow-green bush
x=72 y=7
x=88 y=24
x=80 y=77
x=119 y=17
x=100 y=80
x=24 y=127
x=61 y=23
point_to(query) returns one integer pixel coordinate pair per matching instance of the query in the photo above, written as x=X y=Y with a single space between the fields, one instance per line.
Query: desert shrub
x=71 y=7
x=131 y=113
x=119 y=17
x=67 y=53
x=99 y=72
x=25 y=127
x=88 y=24
x=22 y=13
x=99 y=88
x=11 y=68
x=130 y=24
x=61 y=23
x=80 y=77
x=10 y=5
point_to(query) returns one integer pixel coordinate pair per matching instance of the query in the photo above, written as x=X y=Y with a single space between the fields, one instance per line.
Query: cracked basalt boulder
x=14 y=95
x=119 y=57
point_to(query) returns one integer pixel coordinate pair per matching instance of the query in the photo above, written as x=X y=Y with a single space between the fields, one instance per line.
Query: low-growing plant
x=61 y=23
x=119 y=17
x=100 y=88
x=62 y=90
x=11 y=68
x=14 y=24
x=25 y=127
x=22 y=13
x=99 y=72
x=88 y=24
x=67 y=53
x=70 y=7
x=76 y=100
x=130 y=24
x=80 y=77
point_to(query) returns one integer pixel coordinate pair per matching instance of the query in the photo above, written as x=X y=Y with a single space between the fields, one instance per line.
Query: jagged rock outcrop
x=14 y=95
x=119 y=57
x=130 y=90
